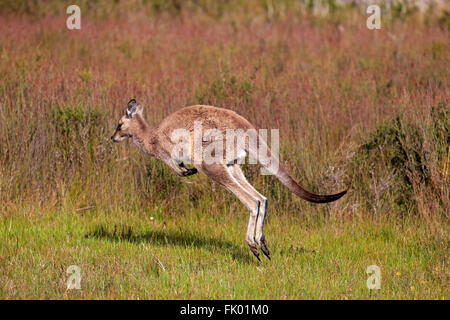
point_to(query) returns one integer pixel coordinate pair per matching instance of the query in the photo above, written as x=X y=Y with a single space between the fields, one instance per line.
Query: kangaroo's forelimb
x=187 y=171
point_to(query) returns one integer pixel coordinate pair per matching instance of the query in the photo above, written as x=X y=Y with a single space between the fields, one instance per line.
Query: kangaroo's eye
x=119 y=126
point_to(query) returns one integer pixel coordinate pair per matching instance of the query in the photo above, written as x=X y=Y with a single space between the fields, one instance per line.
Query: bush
x=76 y=132
x=401 y=161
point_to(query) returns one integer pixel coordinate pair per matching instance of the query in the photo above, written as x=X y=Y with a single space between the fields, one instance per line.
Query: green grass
x=202 y=255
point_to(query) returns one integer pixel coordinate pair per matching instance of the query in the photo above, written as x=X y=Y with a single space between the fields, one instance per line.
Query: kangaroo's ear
x=132 y=108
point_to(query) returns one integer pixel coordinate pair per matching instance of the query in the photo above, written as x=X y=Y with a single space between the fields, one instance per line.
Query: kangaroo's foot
x=253 y=248
x=264 y=246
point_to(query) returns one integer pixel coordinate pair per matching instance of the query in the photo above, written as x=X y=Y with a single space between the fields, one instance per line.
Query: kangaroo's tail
x=287 y=180
x=277 y=169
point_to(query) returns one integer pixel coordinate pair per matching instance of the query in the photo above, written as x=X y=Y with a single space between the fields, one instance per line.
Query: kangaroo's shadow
x=170 y=237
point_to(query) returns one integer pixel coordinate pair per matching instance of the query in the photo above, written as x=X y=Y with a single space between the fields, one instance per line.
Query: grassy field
x=367 y=110
x=199 y=255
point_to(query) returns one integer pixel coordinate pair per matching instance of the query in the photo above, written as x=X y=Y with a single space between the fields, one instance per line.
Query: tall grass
x=64 y=90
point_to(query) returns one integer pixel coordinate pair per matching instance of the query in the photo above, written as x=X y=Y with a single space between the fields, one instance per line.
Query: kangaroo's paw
x=190 y=172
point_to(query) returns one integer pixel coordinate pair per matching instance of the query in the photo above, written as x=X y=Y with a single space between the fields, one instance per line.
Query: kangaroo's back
x=209 y=116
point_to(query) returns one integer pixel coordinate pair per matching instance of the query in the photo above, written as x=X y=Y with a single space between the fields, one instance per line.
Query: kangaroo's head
x=130 y=124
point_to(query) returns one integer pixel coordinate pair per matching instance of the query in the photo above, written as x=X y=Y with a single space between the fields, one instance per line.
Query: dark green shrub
x=399 y=157
x=76 y=132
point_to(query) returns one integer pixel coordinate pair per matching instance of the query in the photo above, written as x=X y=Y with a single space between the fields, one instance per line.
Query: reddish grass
x=320 y=82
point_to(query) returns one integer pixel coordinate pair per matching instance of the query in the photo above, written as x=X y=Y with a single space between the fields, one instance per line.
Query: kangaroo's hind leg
x=222 y=174
x=260 y=239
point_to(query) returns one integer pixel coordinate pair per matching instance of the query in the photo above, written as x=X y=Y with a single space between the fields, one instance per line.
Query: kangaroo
x=157 y=142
